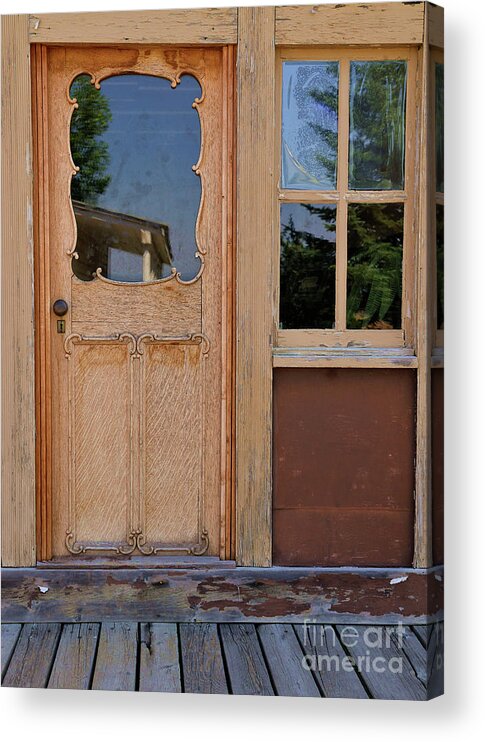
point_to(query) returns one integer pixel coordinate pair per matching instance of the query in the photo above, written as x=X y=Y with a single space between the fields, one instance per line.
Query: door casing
x=51 y=139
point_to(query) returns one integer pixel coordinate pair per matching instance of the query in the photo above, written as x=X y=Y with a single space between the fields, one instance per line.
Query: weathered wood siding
x=353 y=23
x=255 y=283
x=18 y=396
x=176 y=26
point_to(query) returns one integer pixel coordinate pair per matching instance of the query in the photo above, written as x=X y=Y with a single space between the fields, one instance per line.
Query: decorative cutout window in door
x=135 y=142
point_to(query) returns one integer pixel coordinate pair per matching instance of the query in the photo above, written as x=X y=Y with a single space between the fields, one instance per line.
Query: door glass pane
x=136 y=196
x=440 y=265
x=309 y=117
x=374 y=267
x=377 y=125
x=307 y=285
x=439 y=126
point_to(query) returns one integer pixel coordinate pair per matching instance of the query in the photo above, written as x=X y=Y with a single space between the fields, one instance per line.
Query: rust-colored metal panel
x=437 y=462
x=344 y=446
x=338 y=537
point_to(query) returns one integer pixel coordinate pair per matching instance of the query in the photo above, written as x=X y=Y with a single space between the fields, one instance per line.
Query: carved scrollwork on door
x=117 y=338
x=196 y=337
x=137 y=542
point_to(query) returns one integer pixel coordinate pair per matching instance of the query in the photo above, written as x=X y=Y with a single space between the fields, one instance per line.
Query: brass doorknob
x=60 y=307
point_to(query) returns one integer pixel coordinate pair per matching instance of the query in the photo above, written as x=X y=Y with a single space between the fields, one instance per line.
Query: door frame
x=45 y=343
x=256 y=32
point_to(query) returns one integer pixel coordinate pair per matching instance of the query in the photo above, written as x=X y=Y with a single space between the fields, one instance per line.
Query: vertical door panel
x=173 y=443
x=100 y=421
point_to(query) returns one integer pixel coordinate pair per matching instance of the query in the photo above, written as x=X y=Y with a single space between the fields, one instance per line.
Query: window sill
x=351 y=357
x=347 y=340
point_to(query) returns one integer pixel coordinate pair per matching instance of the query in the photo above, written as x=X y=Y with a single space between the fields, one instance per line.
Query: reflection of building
x=126 y=248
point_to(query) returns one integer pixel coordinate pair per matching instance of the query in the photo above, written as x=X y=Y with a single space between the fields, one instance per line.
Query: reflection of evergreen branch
x=327 y=157
x=327 y=98
x=326 y=135
x=307 y=295
x=325 y=212
x=377 y=121
x=89 y=152
x=374 y=271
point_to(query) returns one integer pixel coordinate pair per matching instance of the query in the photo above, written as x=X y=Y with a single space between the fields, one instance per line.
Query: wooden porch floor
x=241 y=659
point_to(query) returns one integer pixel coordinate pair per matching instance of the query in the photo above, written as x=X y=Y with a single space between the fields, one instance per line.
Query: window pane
x=307 y=286
x=374 y=268
x=135 y=197
x=309 y=138
x=377 y=125
x=440 y=265
x=439 y=126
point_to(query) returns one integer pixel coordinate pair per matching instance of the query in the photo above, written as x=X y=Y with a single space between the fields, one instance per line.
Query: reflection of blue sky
x=302 y=146
x=154 y=139
x=304 y=221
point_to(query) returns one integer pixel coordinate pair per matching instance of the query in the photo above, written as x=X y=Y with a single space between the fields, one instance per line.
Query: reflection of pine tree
x=328 y=99
x=307 y=294
x=89 y=121
x=374 y=267
x=377 y=124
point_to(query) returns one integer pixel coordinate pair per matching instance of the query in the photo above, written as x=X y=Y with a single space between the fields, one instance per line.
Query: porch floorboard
x=240 y=659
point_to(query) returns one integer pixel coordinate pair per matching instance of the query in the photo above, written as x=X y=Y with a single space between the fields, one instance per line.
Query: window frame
x=401 y=339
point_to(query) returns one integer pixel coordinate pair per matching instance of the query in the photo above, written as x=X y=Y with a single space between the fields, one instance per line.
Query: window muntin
x=347 y=332
x=135 y=139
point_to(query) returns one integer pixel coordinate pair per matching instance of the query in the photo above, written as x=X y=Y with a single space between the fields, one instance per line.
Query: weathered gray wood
x=75 y=656
x=248 y=675
x=242 y=594
x=284 y=657
x=10 y=634
x=326 y=655
x=31 y=662
x=436 y=647
x=417 y=655
x=423 y=633
x=386 y=670
x=116 y=660
x=271 y=658
x=432 y=638
x=203 y=668
x=159 y=658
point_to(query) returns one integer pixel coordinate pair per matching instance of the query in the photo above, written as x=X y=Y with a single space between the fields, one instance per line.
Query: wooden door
x=133 y=398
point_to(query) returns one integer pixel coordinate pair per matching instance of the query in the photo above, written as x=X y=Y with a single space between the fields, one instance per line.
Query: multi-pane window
x=347 y=174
